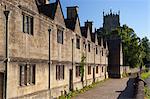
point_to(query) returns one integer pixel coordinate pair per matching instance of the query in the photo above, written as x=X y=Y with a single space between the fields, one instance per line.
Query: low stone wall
x=139 y=88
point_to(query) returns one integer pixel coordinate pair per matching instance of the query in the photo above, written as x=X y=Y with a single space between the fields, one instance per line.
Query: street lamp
x=6 y=13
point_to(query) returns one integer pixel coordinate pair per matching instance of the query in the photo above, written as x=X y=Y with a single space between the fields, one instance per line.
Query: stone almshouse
x=45 y=50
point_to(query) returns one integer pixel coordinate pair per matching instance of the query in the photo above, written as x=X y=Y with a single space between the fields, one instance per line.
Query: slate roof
x=70 y=23
x=84 y=31
x=48 y=9
x=93 y=37
x=99 y=41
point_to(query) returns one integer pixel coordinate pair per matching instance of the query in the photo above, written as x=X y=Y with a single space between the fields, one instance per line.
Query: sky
x=134 y=13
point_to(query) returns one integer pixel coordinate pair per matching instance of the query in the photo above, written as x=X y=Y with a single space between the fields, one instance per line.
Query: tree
x=146 y=47
x=133 y=50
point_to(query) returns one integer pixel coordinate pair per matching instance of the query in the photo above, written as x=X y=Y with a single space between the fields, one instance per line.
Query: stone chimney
x=89 y=24
x=72 y=12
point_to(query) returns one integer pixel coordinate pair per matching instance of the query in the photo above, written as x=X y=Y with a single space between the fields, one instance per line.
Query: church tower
x=115 y=58
x=111 y=21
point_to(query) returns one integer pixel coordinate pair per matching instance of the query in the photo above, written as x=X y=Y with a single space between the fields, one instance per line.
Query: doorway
x=70 y=79
x=93 y=74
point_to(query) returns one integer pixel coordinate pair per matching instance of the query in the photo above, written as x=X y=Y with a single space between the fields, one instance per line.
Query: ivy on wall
x=82 y=63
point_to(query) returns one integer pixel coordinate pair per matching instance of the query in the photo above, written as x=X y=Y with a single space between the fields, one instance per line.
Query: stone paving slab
x=110 y=89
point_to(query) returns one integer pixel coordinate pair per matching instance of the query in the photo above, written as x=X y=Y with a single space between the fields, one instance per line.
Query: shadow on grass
x=128 y=92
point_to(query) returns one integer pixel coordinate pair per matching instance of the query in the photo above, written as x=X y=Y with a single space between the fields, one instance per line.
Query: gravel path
x=110 y=89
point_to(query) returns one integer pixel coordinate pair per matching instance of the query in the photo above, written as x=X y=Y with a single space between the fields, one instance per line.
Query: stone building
x=43 y=52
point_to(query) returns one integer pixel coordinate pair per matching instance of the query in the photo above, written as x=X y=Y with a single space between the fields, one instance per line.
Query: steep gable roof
x=70 y=24
x=72 y=21
x=48 y=9
x=77 y=28
x=93 y=37
x=59 y=16
x=84 y=31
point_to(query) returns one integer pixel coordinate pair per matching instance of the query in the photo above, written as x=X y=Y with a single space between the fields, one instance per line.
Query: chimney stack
x=89 y=24
x=72 y=12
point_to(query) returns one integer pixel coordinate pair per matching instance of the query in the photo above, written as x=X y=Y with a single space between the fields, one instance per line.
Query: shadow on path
x=128 y=92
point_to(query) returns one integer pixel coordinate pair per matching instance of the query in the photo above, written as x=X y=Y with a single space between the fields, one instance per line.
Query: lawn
x=145 y=75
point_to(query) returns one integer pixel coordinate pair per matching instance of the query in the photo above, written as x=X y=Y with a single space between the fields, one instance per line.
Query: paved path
x=110 y=89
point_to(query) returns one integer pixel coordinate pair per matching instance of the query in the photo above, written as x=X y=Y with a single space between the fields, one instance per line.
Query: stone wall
x=25 y=48
x=41 y=81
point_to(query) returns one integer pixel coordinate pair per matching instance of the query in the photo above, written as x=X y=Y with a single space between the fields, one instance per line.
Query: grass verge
x=145 y=75
x=147 y=92
x=84 y=89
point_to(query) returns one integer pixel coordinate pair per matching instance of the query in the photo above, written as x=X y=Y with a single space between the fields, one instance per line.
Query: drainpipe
x=72 y=67
x=6 y=13
x=86 y=64
x=94 y=66
x=49 y=59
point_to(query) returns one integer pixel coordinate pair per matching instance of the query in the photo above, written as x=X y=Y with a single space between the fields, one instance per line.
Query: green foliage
x=82 y=66
x=136 y=51
x=133 y=51
x=147 y=93
x=146 y=48
x=145 y=75
x=77 y=91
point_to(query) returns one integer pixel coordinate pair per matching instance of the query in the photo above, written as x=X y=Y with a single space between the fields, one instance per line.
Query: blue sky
x=134 y=13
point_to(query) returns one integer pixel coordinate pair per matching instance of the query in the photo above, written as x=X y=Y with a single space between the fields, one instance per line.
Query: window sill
x=28 y=85
x=60 y=79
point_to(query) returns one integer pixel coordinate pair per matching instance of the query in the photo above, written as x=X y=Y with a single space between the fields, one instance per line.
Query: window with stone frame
x=89 y=49
x=77 y=42
x=102 y=52
x=102 y=69
x=96 y=69
x=96 y=50
x=32 y=73
x=27 y=74
x=77 y=71
x=27 y=23
x=89 y=70
x=60 y=36
x=59 y=72
x=84 y=45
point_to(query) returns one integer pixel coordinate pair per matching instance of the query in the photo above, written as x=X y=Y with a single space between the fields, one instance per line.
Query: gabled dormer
x=59 y=17
x=72 y=21
x=53 y=10
x=77 y=27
